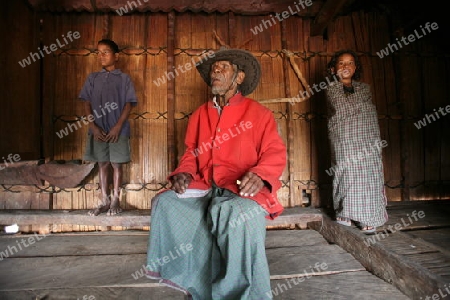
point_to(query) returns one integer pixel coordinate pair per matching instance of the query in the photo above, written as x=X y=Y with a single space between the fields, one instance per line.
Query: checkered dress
x=358 y=182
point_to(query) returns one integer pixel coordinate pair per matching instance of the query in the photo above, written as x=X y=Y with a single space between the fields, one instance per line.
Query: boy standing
x=108 y=95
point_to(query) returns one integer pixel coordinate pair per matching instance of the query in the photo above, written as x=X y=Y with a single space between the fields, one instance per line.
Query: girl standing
x=353 y=130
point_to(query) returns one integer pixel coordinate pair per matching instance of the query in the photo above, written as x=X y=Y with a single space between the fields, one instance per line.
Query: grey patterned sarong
x=210 y=247
x=356 y=148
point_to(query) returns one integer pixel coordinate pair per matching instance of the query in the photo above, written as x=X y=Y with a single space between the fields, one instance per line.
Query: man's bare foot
x=103 y=206
x=115 y=208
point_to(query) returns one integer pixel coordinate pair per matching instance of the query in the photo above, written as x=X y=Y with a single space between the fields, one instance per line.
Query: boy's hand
x=113 y=135
x=250 y=184
x=180 y=182
x=98 y=133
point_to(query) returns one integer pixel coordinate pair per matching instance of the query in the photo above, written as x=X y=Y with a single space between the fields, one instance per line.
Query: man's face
x=222 y=73
x=106 y=56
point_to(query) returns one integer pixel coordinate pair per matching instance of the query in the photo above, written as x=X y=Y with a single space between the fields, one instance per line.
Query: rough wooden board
x=434 y=214
x=100 y=293
x=399 y=243
x=32 y=173
x=418 y=203
x=64 y=175
x=439 y=237
x=293 y=238
x=70 y=271
x=429 y=256
x=407 y=275
x=129 y=218
x=296 y=215
x=87 y=260
x=435 y=262
x=106 y=255
x=74 y=245
x=398 y=214
x=109 y=276
x=20 y=173
x=302 y=261
x=81 y=244
x=338 y=286
x=264 y=7
x=357 y=285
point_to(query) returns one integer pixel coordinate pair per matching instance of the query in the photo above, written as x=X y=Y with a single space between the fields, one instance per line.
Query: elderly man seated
x=207 y=234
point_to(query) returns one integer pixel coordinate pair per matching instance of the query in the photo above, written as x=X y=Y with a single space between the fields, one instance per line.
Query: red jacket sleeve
x=273 y=156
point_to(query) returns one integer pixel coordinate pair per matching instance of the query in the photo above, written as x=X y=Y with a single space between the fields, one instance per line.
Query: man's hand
x=180 y=182
x=250 y=184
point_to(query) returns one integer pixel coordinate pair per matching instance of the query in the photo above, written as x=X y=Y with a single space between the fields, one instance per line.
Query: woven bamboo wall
x=406 y=85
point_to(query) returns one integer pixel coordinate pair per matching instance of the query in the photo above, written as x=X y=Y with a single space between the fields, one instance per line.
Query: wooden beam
x=131 y=218
x=290 y=124
x=326 y=14
x=409 y=276
x=257 y=7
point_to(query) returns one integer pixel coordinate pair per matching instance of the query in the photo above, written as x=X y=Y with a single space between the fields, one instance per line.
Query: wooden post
x=290 y=134
x=171 y=147
x=232 y=29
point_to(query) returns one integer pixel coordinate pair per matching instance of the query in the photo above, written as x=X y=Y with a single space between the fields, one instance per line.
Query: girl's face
x=345 y=66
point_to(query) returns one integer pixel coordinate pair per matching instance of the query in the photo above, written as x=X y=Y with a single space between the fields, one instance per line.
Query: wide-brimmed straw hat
x=245 y=62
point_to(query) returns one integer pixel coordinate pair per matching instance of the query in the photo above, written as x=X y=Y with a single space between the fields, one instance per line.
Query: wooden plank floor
x=411 y=251
x=107 y=265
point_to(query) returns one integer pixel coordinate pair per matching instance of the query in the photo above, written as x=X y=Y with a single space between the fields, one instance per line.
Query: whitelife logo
x=220 y=139
x=177 y=252
x=53 y=47
x=411 y=38
x=280 y=17
x=91 y=118
x=430 y=117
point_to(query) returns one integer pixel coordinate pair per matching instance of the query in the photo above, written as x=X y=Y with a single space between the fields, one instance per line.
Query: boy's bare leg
x=104 y=202
x=117 y=179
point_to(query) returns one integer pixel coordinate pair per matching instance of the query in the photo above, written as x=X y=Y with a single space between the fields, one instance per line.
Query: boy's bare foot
x=115 y=208
x=103 y=206
x=100 y=209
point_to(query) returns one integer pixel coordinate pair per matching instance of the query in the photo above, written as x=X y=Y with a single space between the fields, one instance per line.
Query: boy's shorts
x=118 y=152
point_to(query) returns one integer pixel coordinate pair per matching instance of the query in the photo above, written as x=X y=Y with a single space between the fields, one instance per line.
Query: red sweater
x=221 y=149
